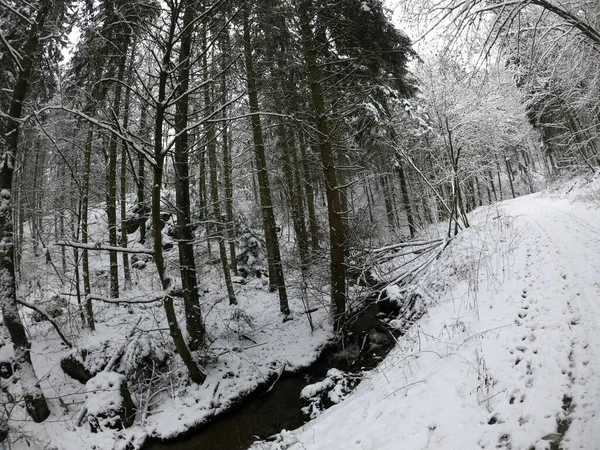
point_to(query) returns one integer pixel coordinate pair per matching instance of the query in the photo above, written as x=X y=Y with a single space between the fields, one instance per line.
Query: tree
x=276 y=279
x=372 y=51
x=24 y=59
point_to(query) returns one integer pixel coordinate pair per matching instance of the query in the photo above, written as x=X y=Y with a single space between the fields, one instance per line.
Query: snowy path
x=565 y=269
x=509 y=354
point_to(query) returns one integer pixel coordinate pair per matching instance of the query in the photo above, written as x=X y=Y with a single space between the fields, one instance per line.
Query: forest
x=200 y=198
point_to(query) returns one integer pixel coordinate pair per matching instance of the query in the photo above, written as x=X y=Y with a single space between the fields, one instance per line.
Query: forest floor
x=508 y=355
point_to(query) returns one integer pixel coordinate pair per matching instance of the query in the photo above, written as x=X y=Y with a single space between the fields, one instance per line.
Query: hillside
x=507 y=355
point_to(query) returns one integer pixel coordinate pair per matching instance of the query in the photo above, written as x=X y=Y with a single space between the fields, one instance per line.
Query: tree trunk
x=295 y=202
x=85 y=262
x=499 y=180
x=337 y=234
x=276 y=279
x=491 y=184
x=35 y=402
x=510 y=177
x=141 y=171
x=405 y=198
x=123 y=175
x=111 y=187
x=227 y=162
x=187 y=264
x=310 y=197
x=196 y=375
x=213 y=182
x=387 y=201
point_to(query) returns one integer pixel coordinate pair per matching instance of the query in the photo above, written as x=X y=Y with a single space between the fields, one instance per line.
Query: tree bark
x=405 y=198
x=276 y=279
x=35 y=402
x=187 y=263
x=111 y=187
x=310 y=197
x=123 y=174
x=295 y=201
x=337 y=234
x=213 y=182
x=227 y=161
x=196 y=375
x=85 y=262
x=141 y=171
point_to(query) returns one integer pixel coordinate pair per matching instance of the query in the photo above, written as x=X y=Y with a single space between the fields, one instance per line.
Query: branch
x=404 y=244
x=44 y=313
x=109 y=248
x=136 y=300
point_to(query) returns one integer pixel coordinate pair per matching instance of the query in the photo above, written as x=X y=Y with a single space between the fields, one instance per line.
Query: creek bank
x=278 y=404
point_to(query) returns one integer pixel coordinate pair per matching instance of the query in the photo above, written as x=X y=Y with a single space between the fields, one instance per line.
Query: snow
x=510 y=337
x=104 y=393
x=313 y=389
x=507 y=351
x=247 y=345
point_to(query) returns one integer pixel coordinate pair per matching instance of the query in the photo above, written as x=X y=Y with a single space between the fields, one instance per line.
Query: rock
x=238 y=280
x=140 y=261
x=73 y=365
x=139 y=265
x=137 y=217
x=109 y=404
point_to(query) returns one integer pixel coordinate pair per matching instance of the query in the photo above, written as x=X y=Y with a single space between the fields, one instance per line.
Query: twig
x=277 y=379
x=404 y=387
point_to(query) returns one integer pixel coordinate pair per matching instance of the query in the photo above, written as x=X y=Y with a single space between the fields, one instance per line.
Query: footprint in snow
x=518 y=360
x=529 y=368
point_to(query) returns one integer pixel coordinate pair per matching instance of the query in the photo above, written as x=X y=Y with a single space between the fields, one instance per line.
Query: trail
x=509 y=353
x=565 y=268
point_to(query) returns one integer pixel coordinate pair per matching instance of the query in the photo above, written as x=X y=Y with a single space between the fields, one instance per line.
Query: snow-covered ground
x=505 y=357
x=247 y=345
x=508 y=355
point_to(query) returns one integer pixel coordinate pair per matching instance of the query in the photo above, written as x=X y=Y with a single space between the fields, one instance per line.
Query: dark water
x=262 y=415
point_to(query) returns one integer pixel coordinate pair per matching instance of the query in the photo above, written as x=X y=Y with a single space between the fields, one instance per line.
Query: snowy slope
x=508 y=355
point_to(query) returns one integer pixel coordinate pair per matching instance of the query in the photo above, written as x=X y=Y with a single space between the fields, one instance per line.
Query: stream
x=263 y=414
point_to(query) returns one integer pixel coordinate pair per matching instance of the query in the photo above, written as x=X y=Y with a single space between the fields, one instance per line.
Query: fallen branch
x=136 y=300
x=403 y=245
x=44 y=313
x=277 y=379
x=108 y=248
